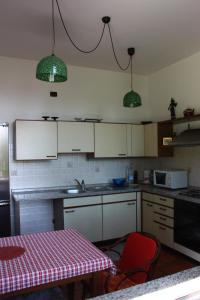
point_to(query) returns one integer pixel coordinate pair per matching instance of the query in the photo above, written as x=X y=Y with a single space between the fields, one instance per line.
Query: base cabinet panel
x=165 y=235
x=87 y=220
x=148 y=224
x=118 y=219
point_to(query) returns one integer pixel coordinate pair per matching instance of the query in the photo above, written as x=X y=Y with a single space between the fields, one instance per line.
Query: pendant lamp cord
x=131 y=58
x=73 y=43
x=98 y=43
x=53 y=29
x=114 y=52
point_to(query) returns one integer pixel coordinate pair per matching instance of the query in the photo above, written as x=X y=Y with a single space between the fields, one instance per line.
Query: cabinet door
x=118 y=219
x=137 y=140
x=110 y=140
x=164 y=234
x=36 y=140
x=151 y=140
x=86 y=219
x=148 y=224
x=75 y=137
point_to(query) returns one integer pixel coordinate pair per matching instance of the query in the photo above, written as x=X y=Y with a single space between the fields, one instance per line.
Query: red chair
x=137 y=261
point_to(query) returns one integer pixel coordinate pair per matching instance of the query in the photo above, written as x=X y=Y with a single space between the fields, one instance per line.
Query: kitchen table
x=50 y=259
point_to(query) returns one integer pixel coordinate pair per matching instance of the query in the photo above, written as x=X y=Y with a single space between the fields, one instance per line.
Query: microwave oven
x=171 y=179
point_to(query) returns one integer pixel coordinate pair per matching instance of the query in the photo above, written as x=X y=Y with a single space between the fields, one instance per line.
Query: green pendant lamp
x=52 y=68
x=132 y=99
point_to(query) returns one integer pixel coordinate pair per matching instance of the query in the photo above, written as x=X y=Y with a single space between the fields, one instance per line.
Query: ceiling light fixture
x=53 y=69
x=132 y=99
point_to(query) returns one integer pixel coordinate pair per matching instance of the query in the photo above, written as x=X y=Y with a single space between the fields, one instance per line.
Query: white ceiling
x=162 y=31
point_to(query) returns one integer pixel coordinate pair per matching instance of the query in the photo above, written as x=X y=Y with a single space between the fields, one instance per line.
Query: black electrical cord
x=73 y=43
x=53 y=29
x=98 y=43
x=114 y=52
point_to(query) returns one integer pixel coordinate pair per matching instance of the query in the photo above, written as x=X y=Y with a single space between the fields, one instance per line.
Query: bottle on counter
x=130 y=175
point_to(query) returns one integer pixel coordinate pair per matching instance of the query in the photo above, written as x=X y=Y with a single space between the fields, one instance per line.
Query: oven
x=187 y=225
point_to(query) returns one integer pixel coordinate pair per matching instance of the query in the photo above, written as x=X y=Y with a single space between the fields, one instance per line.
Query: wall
x=182 y=82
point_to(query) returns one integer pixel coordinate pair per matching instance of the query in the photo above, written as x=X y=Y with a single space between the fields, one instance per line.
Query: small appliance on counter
x=148 y=177
x=171 y=179
x=131 y=176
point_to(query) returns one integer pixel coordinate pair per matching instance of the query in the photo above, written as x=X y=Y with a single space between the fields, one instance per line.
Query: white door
x=148 y=224
x=110 y=140
x=137 y=138
x=86 y=219
x=36 y=140
x=75 y=137
x=118 y=219
x=151 y=140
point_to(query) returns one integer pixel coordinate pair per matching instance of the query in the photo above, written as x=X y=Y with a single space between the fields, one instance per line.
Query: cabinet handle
x=164 y=219
x=163 y=199
x=163 y=209
x=131 y=203
x=150 y=205
x=162 y=228
x=122 y=154
x=76 y=150
x=50 y=155
x=69 y=211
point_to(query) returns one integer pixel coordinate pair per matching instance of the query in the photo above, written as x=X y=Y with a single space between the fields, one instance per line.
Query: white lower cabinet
x=85 y=215
x=158 y=217
x=86 y=219
x=119 y=215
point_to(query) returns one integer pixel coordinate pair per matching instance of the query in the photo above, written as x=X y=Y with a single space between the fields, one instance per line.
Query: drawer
x=163 y=220
x=119 y=197
x=163 y=200
x=158 y=199
x=81 y=201
x=148 y=196
x=164 y=210
x=164 y=234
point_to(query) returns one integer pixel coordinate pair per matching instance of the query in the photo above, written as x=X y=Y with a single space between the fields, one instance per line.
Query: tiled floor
x=171 y=262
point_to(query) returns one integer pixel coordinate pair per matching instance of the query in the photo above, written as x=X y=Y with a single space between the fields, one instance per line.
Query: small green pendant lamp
x=132 y=99
x=52 y=68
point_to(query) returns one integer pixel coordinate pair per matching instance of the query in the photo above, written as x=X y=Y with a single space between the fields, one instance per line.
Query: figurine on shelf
x=171 y=107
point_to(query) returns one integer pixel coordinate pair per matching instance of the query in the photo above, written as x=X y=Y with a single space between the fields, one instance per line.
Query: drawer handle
x=150 y=205
x=163 y=199
x=162 y=228
x=69 y=211
x=76 y=150
x=50 y=155
x=163 y=209
x=122 y=154
x=164 y=219
x=131 y=203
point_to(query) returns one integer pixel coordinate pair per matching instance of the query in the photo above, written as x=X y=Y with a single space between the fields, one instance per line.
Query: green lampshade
x=51 y=69
x=132 y=99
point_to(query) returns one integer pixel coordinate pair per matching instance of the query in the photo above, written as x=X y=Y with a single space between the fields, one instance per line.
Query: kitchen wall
x=182 y=82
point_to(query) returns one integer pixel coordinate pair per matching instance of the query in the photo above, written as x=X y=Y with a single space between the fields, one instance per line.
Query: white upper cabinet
x=110 y=140
x=35 y=140
x=151 y=139
x=135 y=140
x=75 y=137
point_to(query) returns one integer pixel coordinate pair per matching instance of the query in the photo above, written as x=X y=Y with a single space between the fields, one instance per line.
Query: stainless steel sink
x=71 y=191
x=98 y=188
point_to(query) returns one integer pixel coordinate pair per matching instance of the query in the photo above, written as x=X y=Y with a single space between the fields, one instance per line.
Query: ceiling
x=162 y=31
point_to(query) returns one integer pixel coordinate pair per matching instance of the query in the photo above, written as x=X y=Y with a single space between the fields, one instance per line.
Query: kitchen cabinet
x=110 y=140
x=153 y=139
x=75 y=137
x=81 y=213
x=35 y=140
x=158 y=217
x=119 y=215
x=135 y=140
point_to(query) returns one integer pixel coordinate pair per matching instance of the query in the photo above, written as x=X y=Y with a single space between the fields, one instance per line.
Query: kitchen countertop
x=156 y=285
x=60 y=192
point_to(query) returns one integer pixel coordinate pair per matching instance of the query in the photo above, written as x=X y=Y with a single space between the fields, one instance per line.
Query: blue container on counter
x=119 y=181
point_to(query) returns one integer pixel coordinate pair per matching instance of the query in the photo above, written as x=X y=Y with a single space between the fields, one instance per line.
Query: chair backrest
x=141 y=250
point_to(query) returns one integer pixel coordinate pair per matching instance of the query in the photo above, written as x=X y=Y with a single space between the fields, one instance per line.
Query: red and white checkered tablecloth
x=50 y=256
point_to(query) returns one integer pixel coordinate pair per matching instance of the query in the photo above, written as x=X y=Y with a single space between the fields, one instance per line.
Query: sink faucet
x=81 y=185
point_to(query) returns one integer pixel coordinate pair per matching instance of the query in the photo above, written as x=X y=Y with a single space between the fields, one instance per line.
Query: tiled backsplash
x=61 y=172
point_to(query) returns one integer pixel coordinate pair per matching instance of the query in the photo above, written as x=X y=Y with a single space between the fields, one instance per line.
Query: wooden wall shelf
x=183 y=119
